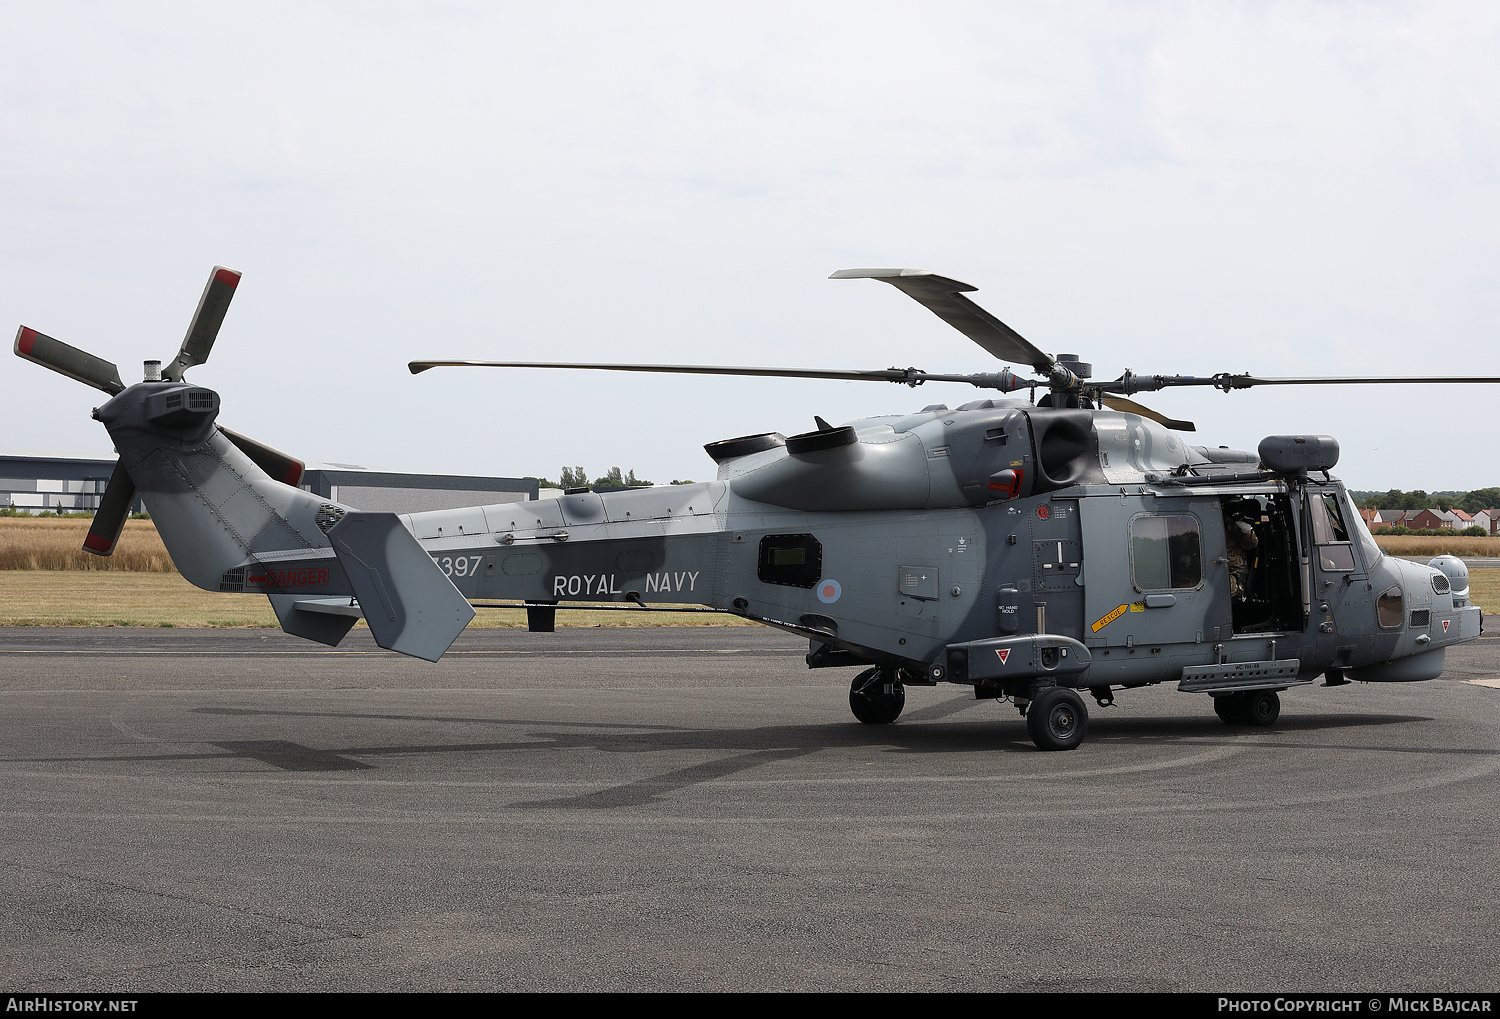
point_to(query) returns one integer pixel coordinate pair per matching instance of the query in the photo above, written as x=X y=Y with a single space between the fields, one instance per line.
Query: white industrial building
x=38 y=481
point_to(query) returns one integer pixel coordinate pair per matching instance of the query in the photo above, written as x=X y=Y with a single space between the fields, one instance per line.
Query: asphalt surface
x=693 y=809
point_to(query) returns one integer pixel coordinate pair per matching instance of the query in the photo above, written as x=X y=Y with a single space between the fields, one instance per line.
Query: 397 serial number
x=458 y=566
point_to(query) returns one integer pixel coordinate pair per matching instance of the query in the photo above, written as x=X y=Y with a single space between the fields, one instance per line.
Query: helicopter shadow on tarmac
x=752 y=747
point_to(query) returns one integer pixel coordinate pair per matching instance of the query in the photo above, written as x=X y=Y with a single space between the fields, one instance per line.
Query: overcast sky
x=1185 y=188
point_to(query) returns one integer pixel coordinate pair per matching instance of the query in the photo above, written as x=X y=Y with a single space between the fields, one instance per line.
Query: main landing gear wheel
x=876 y=696
x=1251 y=707
x=1228 y=708
x=1261 y=707
x=1057 y=719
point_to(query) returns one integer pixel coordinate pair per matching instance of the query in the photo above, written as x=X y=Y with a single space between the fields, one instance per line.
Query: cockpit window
x=1362 y=535
x=1328 y=519
x=1335 y=550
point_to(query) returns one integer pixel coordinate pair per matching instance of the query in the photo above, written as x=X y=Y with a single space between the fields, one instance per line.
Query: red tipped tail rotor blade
x=204 y=328
x=39 y=348
x=104 y=534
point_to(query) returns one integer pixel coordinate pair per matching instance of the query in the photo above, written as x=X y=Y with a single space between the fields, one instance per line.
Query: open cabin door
x=1152 y=571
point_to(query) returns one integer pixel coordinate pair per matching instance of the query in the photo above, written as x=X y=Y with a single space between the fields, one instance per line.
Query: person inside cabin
x=1240 y=539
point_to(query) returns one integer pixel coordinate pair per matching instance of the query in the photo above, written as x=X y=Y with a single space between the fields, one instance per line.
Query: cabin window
x=1388 y=607
x=792 y=560
x=1166 y=552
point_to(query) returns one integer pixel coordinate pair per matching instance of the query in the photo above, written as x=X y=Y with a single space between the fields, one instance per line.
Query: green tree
x=574 y=477
x=1480 y=498
x=619 y=479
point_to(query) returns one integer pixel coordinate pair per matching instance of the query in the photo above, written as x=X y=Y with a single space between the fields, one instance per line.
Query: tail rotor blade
x=280 y=466
x=204 y=328
x=1131 y=407
x=42 y=349
x=104 y=534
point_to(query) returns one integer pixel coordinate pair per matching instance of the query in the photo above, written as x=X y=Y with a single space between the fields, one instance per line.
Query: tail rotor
x=80 y=365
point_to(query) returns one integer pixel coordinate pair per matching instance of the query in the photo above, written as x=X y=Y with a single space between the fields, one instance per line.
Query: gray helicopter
x=1034 y=550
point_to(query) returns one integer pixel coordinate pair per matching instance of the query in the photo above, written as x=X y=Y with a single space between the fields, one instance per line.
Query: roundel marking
x=829 y=591
x=1042 y=512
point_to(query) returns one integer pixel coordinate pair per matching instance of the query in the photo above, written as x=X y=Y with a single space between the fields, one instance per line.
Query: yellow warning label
x=1137 y=606
x=1113 y=615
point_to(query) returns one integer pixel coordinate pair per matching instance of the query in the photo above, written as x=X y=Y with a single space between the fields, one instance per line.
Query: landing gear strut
x=877 y=696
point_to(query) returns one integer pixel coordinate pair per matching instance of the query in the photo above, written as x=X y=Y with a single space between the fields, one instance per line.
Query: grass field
x=46 y=579
x=117 y=598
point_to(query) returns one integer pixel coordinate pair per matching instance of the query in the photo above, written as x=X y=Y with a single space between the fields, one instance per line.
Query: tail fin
x=410 y=605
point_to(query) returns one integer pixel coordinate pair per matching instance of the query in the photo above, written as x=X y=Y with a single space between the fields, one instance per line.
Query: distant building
x=35 y=481
x=370 y=488
x=42 y=481
x=1432 y=520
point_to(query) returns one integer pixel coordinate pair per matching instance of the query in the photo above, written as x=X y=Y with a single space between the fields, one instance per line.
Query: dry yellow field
x=47 y=543
x=1419 y=545
x=46 y=579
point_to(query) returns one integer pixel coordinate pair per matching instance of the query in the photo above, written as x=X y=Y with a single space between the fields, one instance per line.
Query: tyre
x=876 y=697
x=1262 y=707
x=1057 y=719
x=1230 y=708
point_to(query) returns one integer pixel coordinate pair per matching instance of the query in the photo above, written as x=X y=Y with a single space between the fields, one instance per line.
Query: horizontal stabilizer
x=408 y=602
x=325 y=620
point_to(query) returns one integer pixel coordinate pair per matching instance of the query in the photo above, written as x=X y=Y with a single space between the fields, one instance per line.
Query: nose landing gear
x=877 y=696
x=1057 y=719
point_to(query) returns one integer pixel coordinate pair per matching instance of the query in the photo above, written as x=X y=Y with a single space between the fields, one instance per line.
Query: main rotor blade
x=944 y=298
x=1246 y=381
x=109 y=519
x=1132 y=383
x=878 y=375
x=1131 y=407
x=204 y=328
x=42 y=349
